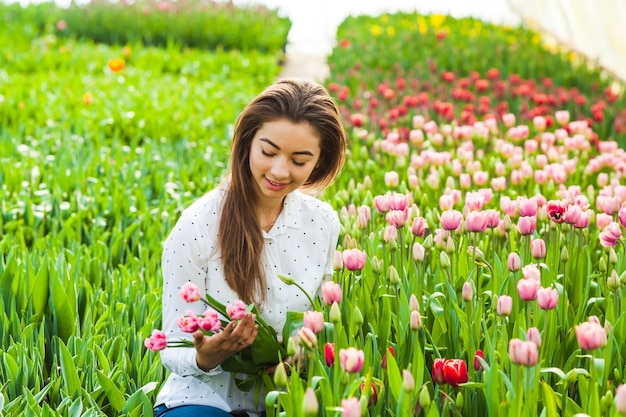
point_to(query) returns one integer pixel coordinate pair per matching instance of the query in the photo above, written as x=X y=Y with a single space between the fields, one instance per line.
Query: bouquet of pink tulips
x=253 y=360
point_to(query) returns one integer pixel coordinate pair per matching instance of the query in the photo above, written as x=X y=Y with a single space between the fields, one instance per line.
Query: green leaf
x=68 y=369
x=40 y=289
x=395 y=378
x=549 y=400
x=115 y=396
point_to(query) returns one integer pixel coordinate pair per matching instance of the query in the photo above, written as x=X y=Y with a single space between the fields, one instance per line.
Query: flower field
x=481 y=265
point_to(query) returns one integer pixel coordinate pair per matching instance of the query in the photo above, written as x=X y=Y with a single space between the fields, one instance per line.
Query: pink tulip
x=583 y=221
x=622 y=216
x=446 y=202
x=465 y=181
x=351 y=359
x=337 y=261
x=397 y=218
x=237 y=310
x=527 y=225
x=513 y=262
x=474 y=201
x=392 y=179
x=493 y=218
x=331 y=292
x=382 y=203
x=538 y=248
x=189 y=292
x=210 y=321
x=547 y=298
x=498 y=183
x=354 y=259
x=603 y=220
x=505 y=305
x=561 y=117
x=467 y=293
x=390 y=235
x=533 y=335
x=415 y=321
x=573 y=213
x=523 y=352
x=350 y=407
x=610 y=235
x=591 y=335
x=527 y=206
x=451 y=219
x=307 y=338
x=476 y=221
x=188 y=323
x=556 y=210
x=480 y=178
x=527 y=289
x=157 y=341
x=314 y=320
x=620 y=399
x=418 y=252
x=419 y=226
x=531 y=272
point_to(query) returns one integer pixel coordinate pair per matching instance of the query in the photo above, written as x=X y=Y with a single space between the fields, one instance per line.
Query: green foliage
x=199 y=24
x=95 y=167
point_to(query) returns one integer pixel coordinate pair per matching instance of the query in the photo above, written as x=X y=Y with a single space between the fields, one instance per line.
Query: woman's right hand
x=212 y=350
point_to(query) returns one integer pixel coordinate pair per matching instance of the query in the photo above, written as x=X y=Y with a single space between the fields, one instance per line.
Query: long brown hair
x=240 y=237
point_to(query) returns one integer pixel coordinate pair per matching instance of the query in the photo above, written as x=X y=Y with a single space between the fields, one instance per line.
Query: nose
x=280 y=168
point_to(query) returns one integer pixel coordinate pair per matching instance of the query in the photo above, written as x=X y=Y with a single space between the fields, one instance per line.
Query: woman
x=233 y=241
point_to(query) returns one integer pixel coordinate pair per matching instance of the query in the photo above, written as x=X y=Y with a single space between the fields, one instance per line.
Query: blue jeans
x=194 y=411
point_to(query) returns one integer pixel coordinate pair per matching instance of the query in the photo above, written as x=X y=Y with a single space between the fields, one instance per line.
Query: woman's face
x=282 y=156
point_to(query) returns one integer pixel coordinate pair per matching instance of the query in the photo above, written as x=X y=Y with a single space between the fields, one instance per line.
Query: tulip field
x=481 y=264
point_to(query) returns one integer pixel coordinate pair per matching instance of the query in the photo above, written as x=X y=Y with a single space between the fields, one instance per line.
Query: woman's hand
x=215 y=349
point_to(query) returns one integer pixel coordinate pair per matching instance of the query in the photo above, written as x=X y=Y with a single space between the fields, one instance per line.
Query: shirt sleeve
x=182 y=261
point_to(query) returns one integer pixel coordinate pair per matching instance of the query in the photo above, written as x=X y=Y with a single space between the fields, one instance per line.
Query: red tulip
x=455 y=372
x=329 y=353
x=437 y=372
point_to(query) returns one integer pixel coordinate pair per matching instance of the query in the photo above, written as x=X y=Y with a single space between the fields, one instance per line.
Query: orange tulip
x=116 y=65
x=87 y=98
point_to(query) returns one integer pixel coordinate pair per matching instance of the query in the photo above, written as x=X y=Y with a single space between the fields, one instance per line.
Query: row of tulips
x=482 y=241
x=465 y=70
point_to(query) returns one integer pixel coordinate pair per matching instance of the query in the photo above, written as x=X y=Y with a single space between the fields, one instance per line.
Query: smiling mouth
x=276 y=184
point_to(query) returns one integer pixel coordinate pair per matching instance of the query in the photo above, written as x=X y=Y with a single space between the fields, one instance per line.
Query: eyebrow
x=269 y=142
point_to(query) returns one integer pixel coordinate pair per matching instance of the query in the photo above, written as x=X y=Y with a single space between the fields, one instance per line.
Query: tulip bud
x=467 y=292
x=408 y=383
x=606 y=400
x=280 y=375
x=286 y=279
x=613 y=282
x=357 y=316
x=291 y=347
x=413 y=303
x=424 y=398
x=602 y=265
x=310 y=405
x=508 y=224
x=459 y=400
x=334 y=315
x=415 y=322
x=392 y=275
x=428 y=242
x=564 y=254
x=513 y=262
x=612 y=257
x=377 y=264
x=450 y=246
x=418 y=252
x=307 y=338
x=444 y=260
x=337 y=261
x=620 y=399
